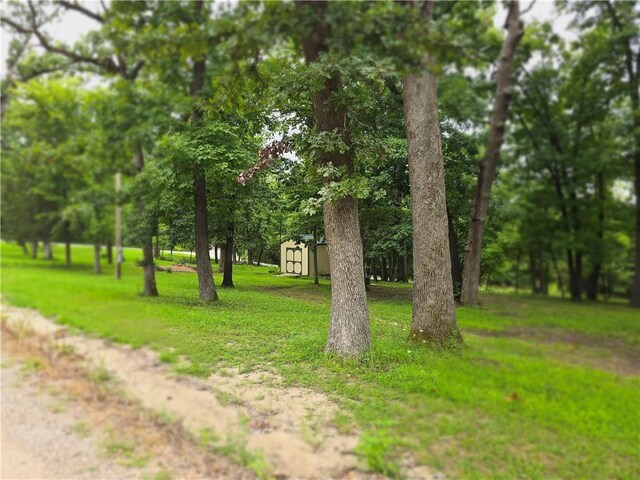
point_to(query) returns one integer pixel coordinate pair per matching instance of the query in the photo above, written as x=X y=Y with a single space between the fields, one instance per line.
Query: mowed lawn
x=545 y=388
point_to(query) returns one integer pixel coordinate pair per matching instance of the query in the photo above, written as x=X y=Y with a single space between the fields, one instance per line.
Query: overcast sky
x=73 y=25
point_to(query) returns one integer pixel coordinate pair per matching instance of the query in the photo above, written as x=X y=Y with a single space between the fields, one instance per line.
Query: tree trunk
x=227 y=280
x=383 y=267
x=23 y=244
x=456 y=264
x=206 y=286
x=96 y=259
x=558 y=276
x=260 y=255
x=34 y=249
x=215 y=254
x=156 y=247
x=434 y=316
x=223 y=258
x=517 y=269
x=627 y=36
x=67 y=253
x=593 y=280
x=349 y=333
x=533 y=273
x=473 y=249
x=109 y=252
x=316 y=278
x=47 y=251
x=149 y=287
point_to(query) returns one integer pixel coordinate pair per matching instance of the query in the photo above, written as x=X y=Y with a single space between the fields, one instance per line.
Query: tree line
x=422 y=142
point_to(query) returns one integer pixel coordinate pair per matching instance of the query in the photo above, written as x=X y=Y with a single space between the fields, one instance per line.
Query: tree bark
x=34 y=249
x=227 y=279
x=206 y=286
x=434 y=316
x=96 y=259
x=349 y=333
x=486 y=176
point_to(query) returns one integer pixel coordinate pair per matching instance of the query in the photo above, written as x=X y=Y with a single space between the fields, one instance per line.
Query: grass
x=502 y=408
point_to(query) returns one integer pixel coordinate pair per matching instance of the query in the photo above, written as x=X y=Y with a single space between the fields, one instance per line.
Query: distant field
x=545 y=389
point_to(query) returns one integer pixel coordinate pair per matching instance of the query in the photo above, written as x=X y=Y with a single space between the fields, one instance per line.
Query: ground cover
x=546 y=388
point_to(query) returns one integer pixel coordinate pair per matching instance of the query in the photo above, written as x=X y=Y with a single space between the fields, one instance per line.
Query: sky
x=72 y=25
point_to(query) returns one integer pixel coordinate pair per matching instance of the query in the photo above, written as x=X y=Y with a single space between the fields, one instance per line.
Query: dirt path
x=40 y=439
x=251 y=418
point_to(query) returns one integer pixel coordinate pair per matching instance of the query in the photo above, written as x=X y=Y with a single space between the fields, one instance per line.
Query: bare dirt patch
x=61 y=419
x=605 y=353
x=182 y=268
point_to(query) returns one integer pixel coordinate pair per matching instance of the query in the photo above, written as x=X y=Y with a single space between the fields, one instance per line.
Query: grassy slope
x=450 y=410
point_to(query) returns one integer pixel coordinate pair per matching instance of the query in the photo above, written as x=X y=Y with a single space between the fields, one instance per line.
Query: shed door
x=294 y=260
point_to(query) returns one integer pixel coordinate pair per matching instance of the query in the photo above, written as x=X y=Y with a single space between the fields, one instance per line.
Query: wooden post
x=118 y=227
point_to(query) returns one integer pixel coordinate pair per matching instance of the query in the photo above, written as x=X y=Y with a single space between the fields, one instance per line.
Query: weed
x=377 y=448
x=81 y=428
x=31 y=366
x=169 y=356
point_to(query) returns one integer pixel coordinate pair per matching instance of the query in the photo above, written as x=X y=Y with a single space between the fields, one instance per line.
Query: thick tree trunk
x=434 y=316
x=96 y=259
x=47 y=251
x=473 y=248
x=349 y=333
x=227 y=279
x=109 y=252
x=149 y=287
x=34 y=249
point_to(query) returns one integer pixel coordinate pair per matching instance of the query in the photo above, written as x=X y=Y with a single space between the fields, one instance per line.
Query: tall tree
x=349 y=333
x=489 y=165
x=434 y=317
x=206 y=284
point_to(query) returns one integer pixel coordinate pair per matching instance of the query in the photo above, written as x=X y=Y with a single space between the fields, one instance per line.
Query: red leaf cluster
x=267 y=154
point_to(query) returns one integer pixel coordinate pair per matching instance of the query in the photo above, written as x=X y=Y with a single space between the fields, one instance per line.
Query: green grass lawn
x=535 y=395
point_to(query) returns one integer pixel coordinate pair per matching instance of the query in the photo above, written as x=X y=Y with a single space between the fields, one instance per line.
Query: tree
x=489 y=165
x=349 y=330
x=434 y=317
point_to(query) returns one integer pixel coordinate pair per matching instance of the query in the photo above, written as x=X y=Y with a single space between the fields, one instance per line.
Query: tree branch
x=79 y=8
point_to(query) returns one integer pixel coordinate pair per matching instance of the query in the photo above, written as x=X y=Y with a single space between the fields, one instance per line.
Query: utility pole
x=118 y=227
